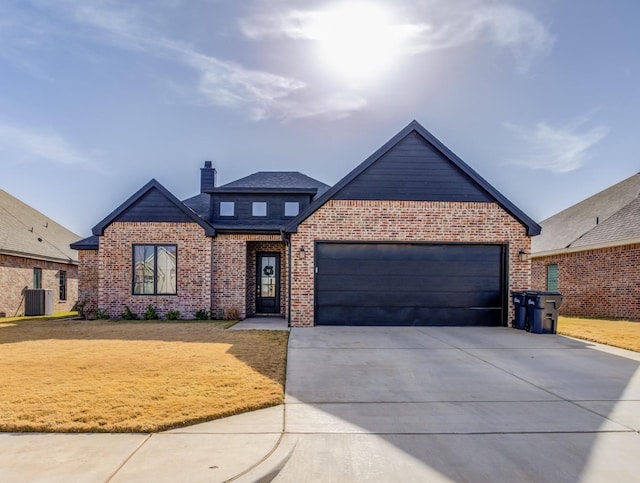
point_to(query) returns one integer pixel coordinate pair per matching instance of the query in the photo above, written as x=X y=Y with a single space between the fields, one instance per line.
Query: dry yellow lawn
x=107 y=376
x=617 y=333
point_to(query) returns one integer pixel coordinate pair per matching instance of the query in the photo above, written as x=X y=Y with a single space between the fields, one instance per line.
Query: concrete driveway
x=455 y=404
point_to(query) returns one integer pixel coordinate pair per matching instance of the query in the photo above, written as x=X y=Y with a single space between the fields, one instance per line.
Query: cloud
x=220 y=82
x=559 y=149
x=431 y=25
x=22 y=144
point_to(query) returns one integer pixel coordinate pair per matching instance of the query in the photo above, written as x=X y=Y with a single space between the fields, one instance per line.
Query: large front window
x=154 y=269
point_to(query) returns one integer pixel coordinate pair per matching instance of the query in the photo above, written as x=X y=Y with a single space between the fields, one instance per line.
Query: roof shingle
x=26 y=232
x=608 y=216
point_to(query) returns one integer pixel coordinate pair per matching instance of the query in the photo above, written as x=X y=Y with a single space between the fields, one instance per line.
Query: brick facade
x=16 y=274
x=233 y=275
x=88 y=281
x=402 y=221
x=595 y=283
x=115 y=271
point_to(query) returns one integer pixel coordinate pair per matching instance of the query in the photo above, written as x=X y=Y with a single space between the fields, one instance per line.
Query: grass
x=616 y=333
x=133 y=376
x=55 y=316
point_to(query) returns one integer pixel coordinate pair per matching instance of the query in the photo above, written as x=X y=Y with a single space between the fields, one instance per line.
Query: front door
x=268 y=283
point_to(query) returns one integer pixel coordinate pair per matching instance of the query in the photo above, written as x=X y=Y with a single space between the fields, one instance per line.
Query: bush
x=101 y=314
x=202 y=314
x=128 y=315
x=151 y=313
x=173 y=315
x=231 y=314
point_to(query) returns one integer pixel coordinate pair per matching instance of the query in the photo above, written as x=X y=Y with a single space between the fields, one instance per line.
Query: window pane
x=63 y=285
x=268 y=282
x=166 y=269
x=552 y=277
x=143 y=271
x=259 y=208
x=37 y=278
x=291 y=208
x=227 y=208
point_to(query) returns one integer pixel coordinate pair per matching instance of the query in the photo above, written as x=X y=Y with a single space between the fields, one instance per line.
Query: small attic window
x=227 y=208
x=291 y=208
x=259 y=208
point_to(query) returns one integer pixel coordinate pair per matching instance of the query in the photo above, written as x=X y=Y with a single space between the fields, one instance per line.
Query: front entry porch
x=266 y=279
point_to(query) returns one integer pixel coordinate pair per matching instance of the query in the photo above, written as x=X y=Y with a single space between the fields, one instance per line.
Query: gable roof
x=280 y=181
x=450 y=167
x=152 y=202
x=26 y=232
x=610 y=216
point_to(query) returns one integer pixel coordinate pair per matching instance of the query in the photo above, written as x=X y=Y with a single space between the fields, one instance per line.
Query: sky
x=540 y=97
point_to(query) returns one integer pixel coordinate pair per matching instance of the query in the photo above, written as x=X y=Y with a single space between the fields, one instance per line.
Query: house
x=411 y=236
x=34 y=253
x=591 y=253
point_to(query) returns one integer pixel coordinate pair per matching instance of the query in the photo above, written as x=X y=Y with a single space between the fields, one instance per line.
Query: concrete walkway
x=261 y=323
x=389 y=404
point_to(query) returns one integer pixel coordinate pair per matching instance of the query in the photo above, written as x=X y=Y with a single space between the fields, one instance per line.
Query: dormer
x=262 y=202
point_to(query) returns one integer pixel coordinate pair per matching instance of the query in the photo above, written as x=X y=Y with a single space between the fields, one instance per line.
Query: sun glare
x=356 y=42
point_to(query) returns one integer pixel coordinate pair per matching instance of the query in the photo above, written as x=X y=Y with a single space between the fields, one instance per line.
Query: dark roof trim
x=100 y=227
x=222 y=189
x=90 y=243
x=532 y=227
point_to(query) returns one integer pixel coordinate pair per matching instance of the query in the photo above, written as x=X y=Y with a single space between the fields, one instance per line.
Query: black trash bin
x=542 y=312
x=520 y=309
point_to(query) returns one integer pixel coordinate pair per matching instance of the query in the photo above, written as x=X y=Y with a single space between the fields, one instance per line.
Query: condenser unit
x=38 y=301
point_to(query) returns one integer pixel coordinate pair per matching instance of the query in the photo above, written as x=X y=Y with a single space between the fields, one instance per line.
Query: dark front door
x=268 y=283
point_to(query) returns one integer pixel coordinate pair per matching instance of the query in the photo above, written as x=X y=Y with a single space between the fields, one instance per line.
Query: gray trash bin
x=520 y=309
x=542 y=312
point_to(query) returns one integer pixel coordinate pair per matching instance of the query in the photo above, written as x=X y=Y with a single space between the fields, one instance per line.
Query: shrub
x=128 y=315
x=173 y=315
x=101 y=314
x=202 y=314
x=151 y=313
x=231 y=314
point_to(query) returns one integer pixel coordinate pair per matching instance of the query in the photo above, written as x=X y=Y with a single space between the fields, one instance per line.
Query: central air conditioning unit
x=38 y=301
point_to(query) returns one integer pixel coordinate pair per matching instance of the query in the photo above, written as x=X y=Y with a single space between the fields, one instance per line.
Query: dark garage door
x=409 y=284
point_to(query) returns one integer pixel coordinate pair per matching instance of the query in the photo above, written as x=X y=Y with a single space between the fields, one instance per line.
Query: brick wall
x=88 y=281
x=595 y=283
x=402 y=221
x=193 y=271
x=16 y=273
x=233 y=278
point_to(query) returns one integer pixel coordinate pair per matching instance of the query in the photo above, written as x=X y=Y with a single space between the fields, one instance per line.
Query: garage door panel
x=416 y=284
x=409 y=284
x=409 y=299
x=377 y=267
x=413 y=316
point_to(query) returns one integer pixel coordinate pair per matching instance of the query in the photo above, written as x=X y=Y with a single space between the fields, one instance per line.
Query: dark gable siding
x=275 y=206
x=153 y=206
x=413 y=170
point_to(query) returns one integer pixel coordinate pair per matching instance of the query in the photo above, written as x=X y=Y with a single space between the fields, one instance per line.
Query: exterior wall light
x=523 y=256
x=302 y=253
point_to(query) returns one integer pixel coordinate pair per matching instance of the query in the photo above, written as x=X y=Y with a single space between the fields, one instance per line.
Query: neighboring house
x=591 y=253
x=34 y=253
x=412 y=236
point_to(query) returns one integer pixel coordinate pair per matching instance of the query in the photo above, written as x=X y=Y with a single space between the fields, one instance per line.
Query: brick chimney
x=207 y=177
